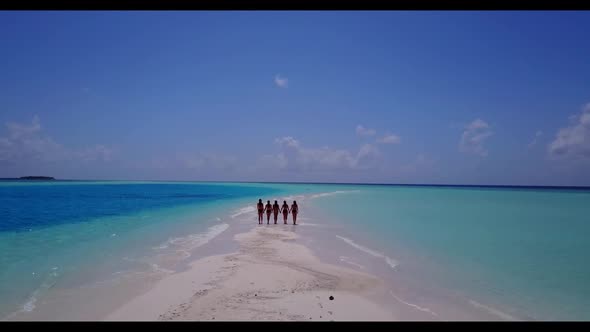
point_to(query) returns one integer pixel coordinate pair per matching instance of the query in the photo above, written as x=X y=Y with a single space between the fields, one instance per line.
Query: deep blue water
x=25 y=205
x=69 y=233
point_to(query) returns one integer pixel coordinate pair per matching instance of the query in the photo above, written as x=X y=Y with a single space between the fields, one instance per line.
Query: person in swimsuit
x=260 y=207
x=275 y=210
x=294 y=211
x=268 y=212
x=285 y=211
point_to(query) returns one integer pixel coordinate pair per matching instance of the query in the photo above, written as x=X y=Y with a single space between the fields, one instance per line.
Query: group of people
x=285 y=210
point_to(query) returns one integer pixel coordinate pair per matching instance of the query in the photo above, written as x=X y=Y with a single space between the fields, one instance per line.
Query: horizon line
x=328 y=183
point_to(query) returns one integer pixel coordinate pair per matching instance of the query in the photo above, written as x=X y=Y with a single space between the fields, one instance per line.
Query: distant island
x=36 y=178
x=44 y=178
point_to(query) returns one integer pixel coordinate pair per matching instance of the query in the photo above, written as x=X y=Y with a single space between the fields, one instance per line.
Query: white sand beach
x=270 y=277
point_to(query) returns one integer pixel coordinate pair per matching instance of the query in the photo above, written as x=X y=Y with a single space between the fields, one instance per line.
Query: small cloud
x=272 y=161
x=474 y=136
x=362 y=131
x=367 y=157
x=534 y=141
x=389 y=139
x=26 y=143
x=574 y=140
x=281 y=82
x=17 y=131
x=295 y=156
x=287 y=141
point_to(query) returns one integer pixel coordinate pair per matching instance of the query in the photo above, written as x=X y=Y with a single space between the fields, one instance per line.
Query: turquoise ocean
x=521 y=253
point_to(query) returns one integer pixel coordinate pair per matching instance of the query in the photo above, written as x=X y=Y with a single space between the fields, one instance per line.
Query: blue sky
x=391 y=97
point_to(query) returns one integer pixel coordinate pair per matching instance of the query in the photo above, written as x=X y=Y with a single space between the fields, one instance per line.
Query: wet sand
x=270 y=277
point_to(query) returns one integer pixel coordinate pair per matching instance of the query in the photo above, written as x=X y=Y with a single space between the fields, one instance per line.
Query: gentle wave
x=244 y=210
x=312 y=196
x=48 y=283
x=332 y=193
x=294 y=198
x=415 y=306
x=157 y=268
x=30 y=305
x=193 y=241
x=348 y=261
x=310 y=224
x=391 y=262
x=493 y=311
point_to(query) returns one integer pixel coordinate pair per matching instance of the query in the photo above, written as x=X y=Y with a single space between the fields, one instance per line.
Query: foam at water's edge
x=309 y=224
x=294 y=198
x=348 y=261
x=193 y=241
x=391 y=262
x=157 y=268
x=29 y=306
x=415 y=306
x=244 y=210
x=331 y=193
x=493 y=311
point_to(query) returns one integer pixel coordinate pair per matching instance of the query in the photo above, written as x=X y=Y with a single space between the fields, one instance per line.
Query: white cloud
x=278 y=161
x=367 y=157
x=573 y=141
x=474 y=136
x=362 y=131
x=389 y=139
x=281 y=82
x=17 y=131
x=287 y=141
x=534 y=141
x=294 y=156
x=26 y=143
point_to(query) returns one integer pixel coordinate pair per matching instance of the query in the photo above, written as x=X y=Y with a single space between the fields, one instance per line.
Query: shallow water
x=524 y=251
x=512 y=253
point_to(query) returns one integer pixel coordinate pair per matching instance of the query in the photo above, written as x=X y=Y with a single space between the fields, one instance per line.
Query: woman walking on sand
x=268 y=212
x=260 y=207
x=275 y=210
x=294 y=211
x=285 y=211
